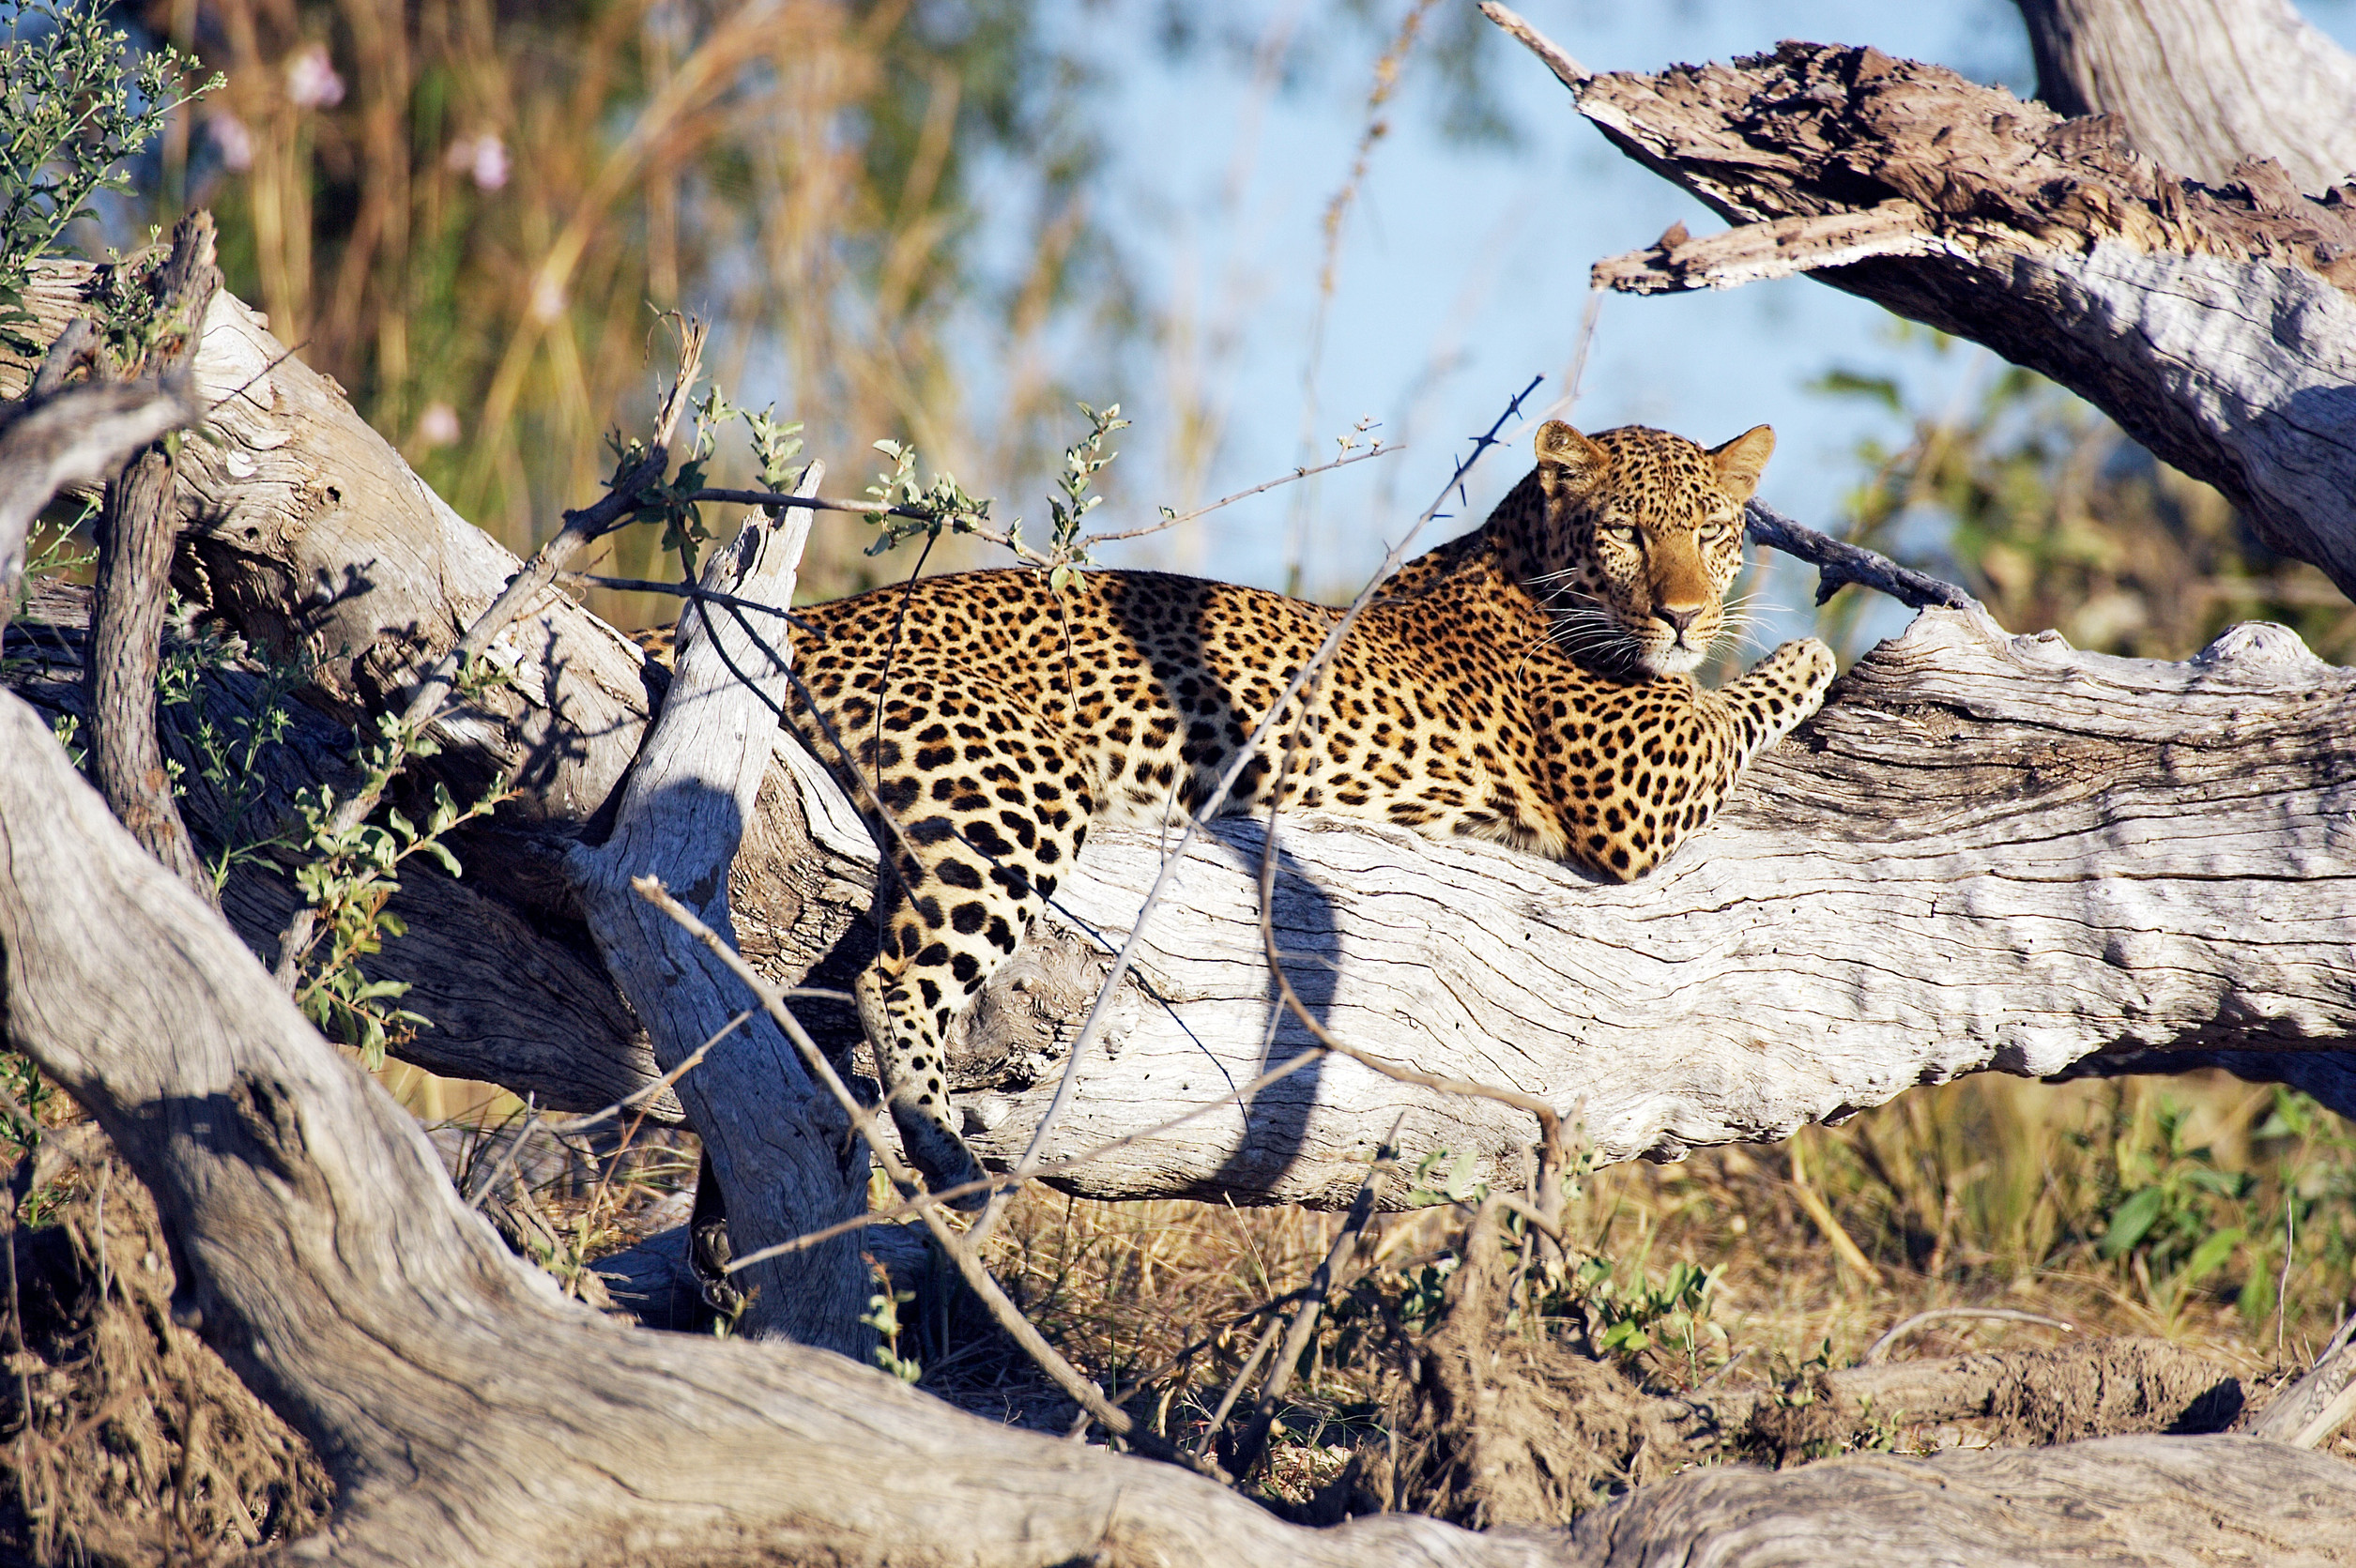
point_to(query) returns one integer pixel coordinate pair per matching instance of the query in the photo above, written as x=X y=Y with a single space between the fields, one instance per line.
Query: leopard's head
x=1642 y=535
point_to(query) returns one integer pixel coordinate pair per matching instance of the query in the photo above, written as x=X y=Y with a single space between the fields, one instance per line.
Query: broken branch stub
x=2214 y=324
x=785 y=1155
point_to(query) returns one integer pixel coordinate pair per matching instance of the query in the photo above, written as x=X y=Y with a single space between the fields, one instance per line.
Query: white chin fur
x=1673 y=659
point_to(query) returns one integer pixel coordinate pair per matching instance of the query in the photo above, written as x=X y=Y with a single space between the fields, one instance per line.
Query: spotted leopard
x=1529 y=683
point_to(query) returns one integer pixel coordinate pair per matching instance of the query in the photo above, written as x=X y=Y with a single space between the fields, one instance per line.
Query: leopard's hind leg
x=986 y=809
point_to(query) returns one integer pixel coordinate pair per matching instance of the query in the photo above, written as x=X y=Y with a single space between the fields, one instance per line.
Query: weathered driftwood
x=313 y=538
x=1985 y=852
x=2202 y=85
x=2214 y=324
x=515 y=996
x=470 y=1414
x=782 y=1149
x=2115 y=1500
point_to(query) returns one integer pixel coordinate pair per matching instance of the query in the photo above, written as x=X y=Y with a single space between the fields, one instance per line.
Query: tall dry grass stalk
x=469 y=214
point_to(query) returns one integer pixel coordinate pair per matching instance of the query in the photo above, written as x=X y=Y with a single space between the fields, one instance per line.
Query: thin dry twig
x=2309 y=1412
x=1332 y=1272
x=1568 y=71
x=580 y=1124
x=1173 y=519
x=1827 y=1222
x=1047 y=1170
x=1093 y=1023
x=688 y=591
x=1880 y=1347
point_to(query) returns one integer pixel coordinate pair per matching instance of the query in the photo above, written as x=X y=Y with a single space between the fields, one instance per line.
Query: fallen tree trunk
x=1985 y=853
x=469 y=1413
x=2214 y=324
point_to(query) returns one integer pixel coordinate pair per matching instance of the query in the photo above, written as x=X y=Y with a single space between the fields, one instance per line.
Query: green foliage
x=1625 y=1308
x=943 y=503
x=350 y=876
x=2167 y=1209
x=1082 y=461
x=25 y=1095
x=228 y=752
x=883 y=1316
x=74 y=103
x=775 y=443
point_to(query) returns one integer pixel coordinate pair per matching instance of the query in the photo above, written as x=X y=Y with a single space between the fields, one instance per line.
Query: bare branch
x=581 y=527
x=1838 y=563
x=139 y=524
x=76 y=437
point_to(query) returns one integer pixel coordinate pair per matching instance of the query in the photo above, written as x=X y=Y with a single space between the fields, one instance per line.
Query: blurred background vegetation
x=469 y=214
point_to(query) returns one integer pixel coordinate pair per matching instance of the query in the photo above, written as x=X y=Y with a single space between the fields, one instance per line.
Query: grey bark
x=137 y=525
x=1985 y=853
x=516 y=997
x=2201 y=86
x=2116 y=1500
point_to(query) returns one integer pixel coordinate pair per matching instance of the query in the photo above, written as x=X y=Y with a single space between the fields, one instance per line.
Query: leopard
x=1529 y=683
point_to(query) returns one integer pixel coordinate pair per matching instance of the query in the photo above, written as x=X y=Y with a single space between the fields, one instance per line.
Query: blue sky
x=1463 y=270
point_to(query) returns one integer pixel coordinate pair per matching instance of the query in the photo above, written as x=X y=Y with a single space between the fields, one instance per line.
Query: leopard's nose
x=1678 y=619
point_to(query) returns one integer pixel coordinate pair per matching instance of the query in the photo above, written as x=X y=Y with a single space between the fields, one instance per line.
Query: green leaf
x=2209 y=1254
x=2135 y=1217
x=1626 y=1335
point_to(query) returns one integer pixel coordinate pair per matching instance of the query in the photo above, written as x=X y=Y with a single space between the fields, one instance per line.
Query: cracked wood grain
x=469 y=1413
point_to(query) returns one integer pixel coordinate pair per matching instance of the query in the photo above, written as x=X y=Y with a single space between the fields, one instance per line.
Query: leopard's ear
x=1740 y=460
x=1569 y=464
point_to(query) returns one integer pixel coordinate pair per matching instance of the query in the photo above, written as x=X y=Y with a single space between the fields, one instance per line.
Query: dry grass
x=1990 y=1191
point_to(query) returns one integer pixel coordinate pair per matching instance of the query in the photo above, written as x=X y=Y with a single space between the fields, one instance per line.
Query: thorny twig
x=1838 y=563
x=582 y=527
x=1171 y=520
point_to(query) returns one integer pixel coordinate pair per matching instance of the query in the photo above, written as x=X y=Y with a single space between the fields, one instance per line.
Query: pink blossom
x=230 y=137
x=311 y=79
x=438 y=426
x=481 y=157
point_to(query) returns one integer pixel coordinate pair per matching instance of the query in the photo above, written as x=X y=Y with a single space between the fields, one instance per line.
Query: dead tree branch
x=2202 y=86
x=1987 y=852
x=137 y=526
x=783 y=1152
x=2213 y=324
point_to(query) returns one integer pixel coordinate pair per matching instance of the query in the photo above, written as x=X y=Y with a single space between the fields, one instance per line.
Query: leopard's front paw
x=1782 y=690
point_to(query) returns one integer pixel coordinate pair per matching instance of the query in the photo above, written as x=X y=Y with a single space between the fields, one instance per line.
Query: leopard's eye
x=1621 y=533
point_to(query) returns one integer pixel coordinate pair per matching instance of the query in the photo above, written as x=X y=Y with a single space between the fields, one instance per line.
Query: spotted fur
x=1528 y=683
